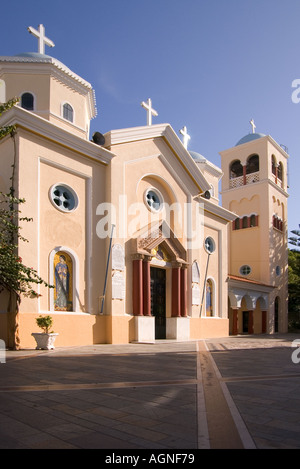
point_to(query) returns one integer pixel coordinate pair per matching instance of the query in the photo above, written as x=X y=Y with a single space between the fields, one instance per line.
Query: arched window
x=280 y=171
x=253 y=221
x=68 y=112
x=63 y=281
x=27 y=101
x=252 y=164
x=277 y=223
x=209 y=298
x=245 y=222
x=274 y=165
x=237 y=224
x=236 y=169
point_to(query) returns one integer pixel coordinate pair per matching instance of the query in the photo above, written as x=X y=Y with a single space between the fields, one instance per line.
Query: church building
x=128 y=226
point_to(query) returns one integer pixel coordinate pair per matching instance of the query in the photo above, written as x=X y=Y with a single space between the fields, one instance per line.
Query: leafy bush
x=45 y=323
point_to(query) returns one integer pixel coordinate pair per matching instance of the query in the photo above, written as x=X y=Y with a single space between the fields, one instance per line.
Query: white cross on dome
x=43 y=40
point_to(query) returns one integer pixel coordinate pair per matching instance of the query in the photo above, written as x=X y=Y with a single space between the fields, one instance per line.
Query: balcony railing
x=241 y=180
x=277 y=180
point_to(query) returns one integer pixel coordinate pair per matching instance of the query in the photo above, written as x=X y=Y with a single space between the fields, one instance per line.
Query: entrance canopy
x=159 y=234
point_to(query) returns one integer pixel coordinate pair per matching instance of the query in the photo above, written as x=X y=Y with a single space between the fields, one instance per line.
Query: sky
x=209 y=65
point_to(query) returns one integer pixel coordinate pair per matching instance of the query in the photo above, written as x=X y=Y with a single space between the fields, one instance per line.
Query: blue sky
x=210 y=65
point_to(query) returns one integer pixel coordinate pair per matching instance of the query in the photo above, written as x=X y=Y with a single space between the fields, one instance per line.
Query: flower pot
x=44 y=341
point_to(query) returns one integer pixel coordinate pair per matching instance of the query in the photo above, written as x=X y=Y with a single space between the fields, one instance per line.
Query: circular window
x=153 y=200
x=245 y=270
x=63 y=198
x=209 y=245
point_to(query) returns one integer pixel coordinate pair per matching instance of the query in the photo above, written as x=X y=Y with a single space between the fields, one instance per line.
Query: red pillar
x=176 y=290
x=183 y=285
x=263 y=322
x=137 y=285
x=146 y=287
x=250 y=323
x=234 y=321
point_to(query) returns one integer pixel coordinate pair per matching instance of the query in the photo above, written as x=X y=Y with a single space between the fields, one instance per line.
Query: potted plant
x=45 y=340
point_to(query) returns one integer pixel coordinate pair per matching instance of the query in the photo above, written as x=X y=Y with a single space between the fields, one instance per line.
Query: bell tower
x=254 y=186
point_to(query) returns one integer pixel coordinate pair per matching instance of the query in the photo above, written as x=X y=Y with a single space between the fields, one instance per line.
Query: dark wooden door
x=158 y=301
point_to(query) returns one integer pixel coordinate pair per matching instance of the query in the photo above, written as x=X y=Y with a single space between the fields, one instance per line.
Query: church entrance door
x=158 y=301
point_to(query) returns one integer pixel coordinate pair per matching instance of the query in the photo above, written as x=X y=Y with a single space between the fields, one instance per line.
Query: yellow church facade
x=128 y=227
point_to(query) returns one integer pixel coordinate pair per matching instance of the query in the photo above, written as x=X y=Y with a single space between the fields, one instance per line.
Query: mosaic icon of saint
x=62 y=279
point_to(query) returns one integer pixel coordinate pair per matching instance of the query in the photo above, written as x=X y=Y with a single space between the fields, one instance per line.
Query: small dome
x=197 y=157
x=249 y=138
x=33 y=55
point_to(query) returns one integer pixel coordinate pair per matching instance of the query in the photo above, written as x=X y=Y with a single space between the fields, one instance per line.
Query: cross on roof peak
x=150 y=111
x=185 y=135
x=42 y=39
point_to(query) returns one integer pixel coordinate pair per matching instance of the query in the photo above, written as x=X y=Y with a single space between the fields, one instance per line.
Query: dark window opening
x=27 y=101
x=252 y=164
x=236 y=169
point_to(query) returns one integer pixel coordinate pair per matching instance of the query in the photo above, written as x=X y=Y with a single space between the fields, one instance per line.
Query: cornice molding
x=211 y=168
x=165 y=131
x=242 y=284
x=217 y=210
x=255 y=184
x=45 y=129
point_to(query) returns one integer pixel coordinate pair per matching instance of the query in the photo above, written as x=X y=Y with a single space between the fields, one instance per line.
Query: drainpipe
x=107 y=265
x=208 y=256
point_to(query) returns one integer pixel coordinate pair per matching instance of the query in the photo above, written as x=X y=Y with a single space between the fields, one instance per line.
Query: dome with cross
x=249 y=138
x=33 y=55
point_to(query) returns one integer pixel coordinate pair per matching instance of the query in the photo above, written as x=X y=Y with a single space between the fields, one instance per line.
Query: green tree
x=8 y=129
x=294 y=289
x=295 y=240
x=15 y=278
x=294 y=280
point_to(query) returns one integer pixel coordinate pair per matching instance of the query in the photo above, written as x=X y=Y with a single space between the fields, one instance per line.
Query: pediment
x=160 y=234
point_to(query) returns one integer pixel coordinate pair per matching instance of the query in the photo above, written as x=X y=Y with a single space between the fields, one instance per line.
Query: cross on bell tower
x=42 y=39
x=253 y=126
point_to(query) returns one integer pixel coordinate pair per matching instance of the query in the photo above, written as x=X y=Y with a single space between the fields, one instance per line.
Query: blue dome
x=249 y=138
x=196 y=156
x=33 y=55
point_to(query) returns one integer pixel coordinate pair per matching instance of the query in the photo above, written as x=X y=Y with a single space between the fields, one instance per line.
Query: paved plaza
x=234 y=393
